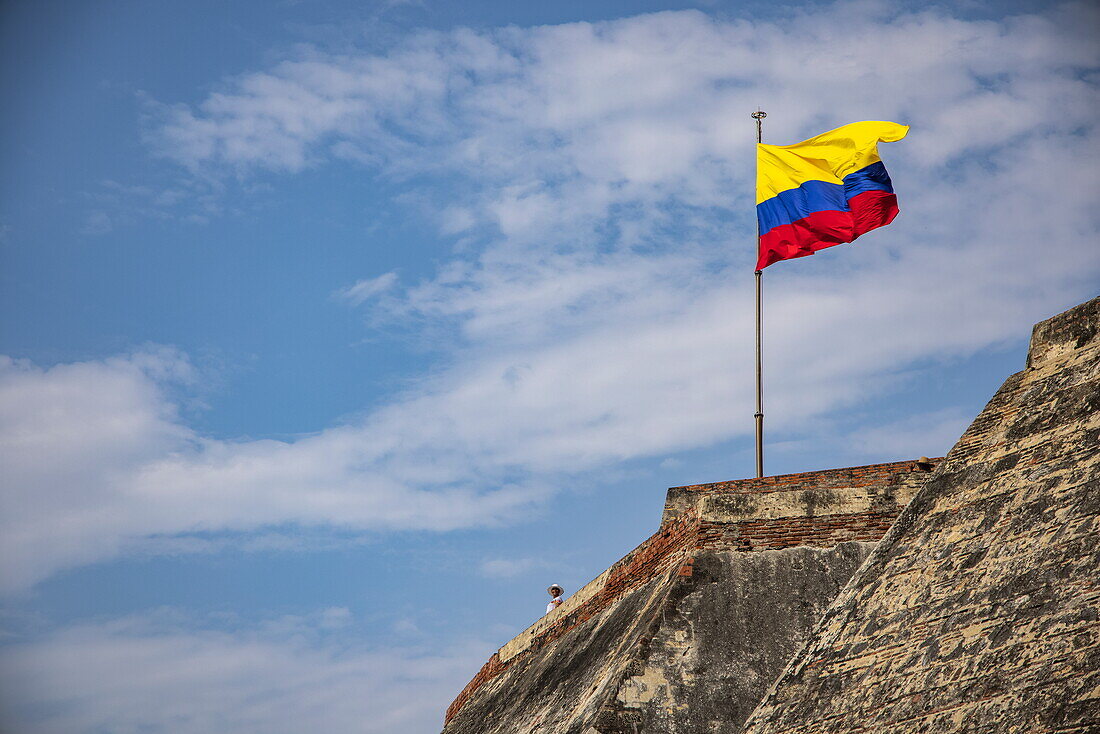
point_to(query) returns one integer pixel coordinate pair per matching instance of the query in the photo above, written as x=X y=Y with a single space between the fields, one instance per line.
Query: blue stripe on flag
x=792 y=205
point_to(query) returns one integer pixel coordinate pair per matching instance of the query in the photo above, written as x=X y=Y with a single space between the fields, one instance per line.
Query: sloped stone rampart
x=657 y=555
x=980 y=609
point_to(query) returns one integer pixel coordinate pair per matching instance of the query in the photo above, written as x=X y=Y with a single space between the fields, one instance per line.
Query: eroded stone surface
x=883 y=488
x=727 y=631
x=980 y=609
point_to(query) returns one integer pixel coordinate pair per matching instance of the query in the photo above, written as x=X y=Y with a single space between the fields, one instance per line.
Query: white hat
x=550 y=589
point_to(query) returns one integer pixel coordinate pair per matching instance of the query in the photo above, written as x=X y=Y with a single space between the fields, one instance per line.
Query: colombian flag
x=823 y=191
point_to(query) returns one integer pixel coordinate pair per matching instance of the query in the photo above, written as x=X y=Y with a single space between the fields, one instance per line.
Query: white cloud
x=875 y=439
x=934 y=433
x=97 y=461
x=159 y=673
x=97 y=223
x=609 y=317
x=363 y=290
x=335 y=617
x=506 y=568
x=455 y=219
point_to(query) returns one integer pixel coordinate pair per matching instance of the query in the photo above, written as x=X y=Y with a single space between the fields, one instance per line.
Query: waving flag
x=823 y=191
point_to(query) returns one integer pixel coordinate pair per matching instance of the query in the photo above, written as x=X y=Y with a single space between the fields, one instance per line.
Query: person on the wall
x=555 y=591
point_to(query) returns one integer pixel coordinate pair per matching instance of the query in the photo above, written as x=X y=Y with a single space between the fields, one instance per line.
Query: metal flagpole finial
x=759 y=116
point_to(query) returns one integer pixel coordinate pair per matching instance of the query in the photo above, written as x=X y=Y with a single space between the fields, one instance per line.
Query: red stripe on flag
x=869 y=210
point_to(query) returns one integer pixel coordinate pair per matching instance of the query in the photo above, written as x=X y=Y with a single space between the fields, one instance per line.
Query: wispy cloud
x=97 y=462
x=603 y=309
x=97 y=223
x=166 y=672
x=506 y=568
x=933 y=432
x=363 y=290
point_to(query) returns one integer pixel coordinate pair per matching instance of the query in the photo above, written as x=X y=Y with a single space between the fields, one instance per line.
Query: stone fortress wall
x=980 y=610
x=953 y=595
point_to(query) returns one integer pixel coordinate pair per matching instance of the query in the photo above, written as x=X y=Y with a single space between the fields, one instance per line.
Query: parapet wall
x=818 y=509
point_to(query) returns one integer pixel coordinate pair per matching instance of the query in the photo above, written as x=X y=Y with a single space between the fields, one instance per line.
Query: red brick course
x=788 y=532
x=488 y=671
x=855 y=476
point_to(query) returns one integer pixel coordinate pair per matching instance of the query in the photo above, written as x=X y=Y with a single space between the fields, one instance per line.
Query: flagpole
x=759 y=116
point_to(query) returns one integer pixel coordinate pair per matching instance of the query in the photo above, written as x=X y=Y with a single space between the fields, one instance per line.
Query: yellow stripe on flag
x=827 y=157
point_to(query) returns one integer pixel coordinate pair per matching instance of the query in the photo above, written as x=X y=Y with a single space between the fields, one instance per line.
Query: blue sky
x=335 y=332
